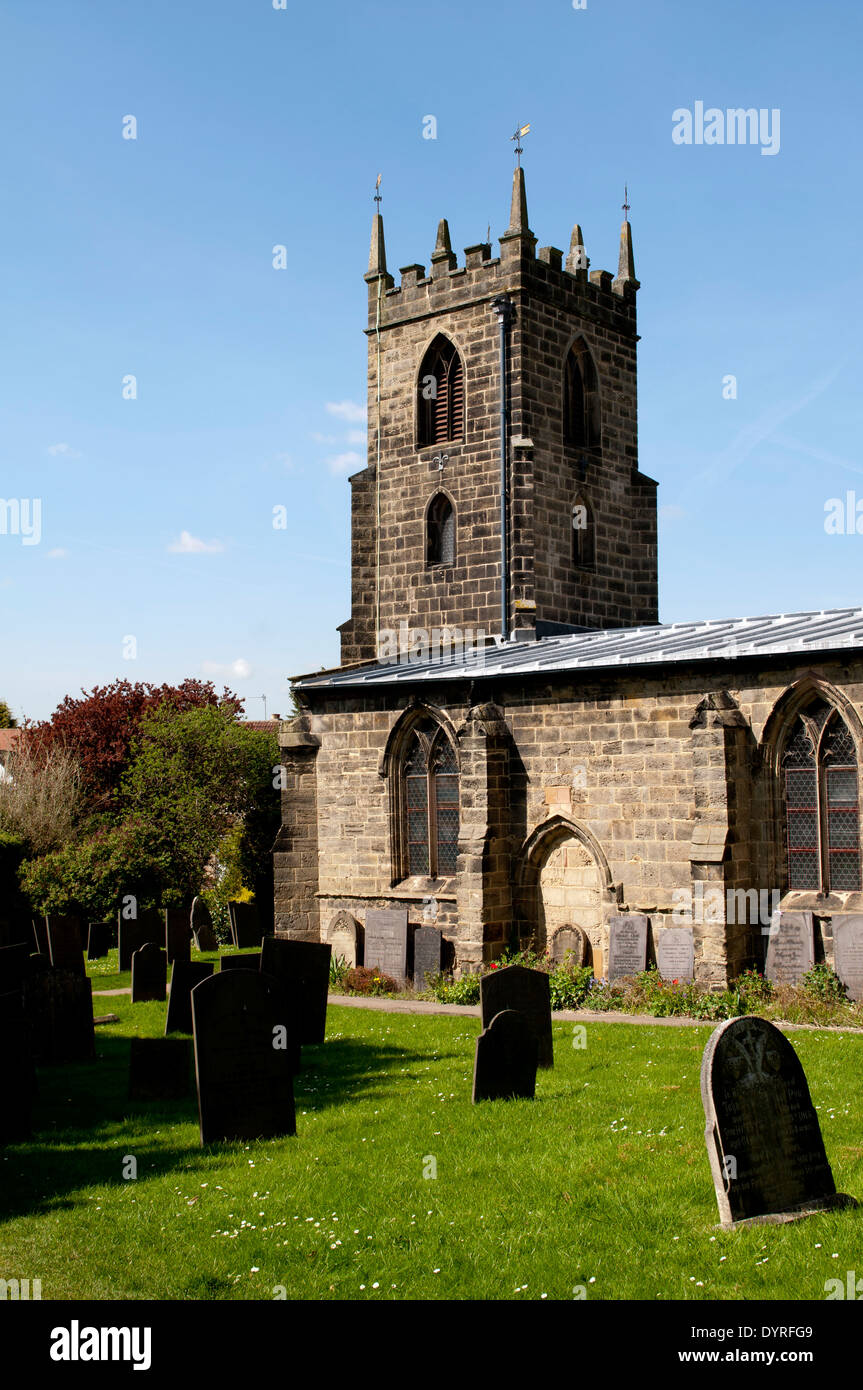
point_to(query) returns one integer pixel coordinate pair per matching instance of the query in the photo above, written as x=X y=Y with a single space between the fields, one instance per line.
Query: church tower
x=502 y=491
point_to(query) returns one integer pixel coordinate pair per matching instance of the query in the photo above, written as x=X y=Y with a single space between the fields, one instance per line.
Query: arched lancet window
x=583 y=535
x=430 y=818
x=582 y=425
x=440 y=531
x=440 y=395
x=820 y=787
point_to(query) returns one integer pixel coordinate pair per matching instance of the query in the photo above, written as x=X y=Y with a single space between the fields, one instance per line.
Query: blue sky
x=259 y=127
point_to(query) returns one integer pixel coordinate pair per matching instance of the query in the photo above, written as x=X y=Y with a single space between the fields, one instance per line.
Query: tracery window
x=430 y=804
x=820 y=785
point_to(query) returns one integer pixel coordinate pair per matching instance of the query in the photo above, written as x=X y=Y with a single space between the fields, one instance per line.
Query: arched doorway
x=565 y=880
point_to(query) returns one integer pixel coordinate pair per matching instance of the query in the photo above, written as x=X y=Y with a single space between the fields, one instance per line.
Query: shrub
x=448 y=991
x=361 y=980
x=339 y=970
x=823 y=983
x=40 y=796
x=570 y=985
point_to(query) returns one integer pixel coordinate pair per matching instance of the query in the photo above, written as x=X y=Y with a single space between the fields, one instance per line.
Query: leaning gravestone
x=675 y=954
x=766 y=1153
x=627 y=945
x=149 y=973
x=16 y=1074
x=134 y=932
x=178 y=934
x=14 y=969
x=64 y=944
x=528 y=992
x=427 y=955
x=98 y=940
x=341 y=933
x=159 y=1068
x=303 y=967
x=245 y=1083
x=506 y=1059
x=848 y=951
x=569 y=942
x=387 y=941
x=790 y=947
x=246 y=926
x=250 y=961
x=184 y=976
x=202 y=926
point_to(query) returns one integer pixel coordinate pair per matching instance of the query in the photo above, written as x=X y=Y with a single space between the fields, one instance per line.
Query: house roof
x=8 y=739
x=661 y=644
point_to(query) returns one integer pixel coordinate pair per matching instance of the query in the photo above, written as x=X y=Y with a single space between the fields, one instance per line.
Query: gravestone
x=506 y=1059
x=675 y=954
x=569 y=940
x=202 y=927
x=303 y=967
x=766 y=1153
x=178 y=934
x=17 y=1077
x=245 y=1082
x=98 y=940
x=627 y=945
x=184 y=976
x=149 y=973
x=146 y=929
x=159 y=1068
x=250 y=961
x=64 y=1014
x=790 y=947
x=40 y=936
x=64 y=944
x=848 y=951
x=387 y=941
x=246 y=926
x=341 y=933
x=14 y=969
x=529 y=993
x=427 y=955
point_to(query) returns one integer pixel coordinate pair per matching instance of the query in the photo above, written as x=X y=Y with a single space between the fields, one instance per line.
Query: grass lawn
x=601 y=1182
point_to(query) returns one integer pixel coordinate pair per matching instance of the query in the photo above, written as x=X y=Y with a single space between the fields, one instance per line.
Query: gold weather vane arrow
x=522 y=130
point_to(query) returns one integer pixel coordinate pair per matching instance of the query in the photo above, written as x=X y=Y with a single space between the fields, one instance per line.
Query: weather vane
x=522 y=130
x=378 y=191
x=625 y=203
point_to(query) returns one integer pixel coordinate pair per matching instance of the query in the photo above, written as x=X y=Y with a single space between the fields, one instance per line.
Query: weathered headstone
x=178 y=934
x=765 y=1147
x=246 y=926
x=675 y=954
x=149 y=973
x=506 y=1059
x=790 y=947
x=64 y=944
x=16 y=1072
x=848 y=951
x=98 y=940
x=14 y=969
x=159 y=1068
x=303 y=967
x=387 y=941
x=184 y=976
x=202 y=926
x=146 y=929
x=245 y=1082
x=627 y=945
x=570 y=943
x=250 y=961
x=341 y=933
x=427 y=955
x=529 y=993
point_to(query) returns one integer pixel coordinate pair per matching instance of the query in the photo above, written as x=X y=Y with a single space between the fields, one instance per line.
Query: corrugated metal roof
x=776 y=634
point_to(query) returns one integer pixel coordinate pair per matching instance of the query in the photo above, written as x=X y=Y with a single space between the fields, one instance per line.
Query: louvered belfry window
x=440 y=532
x=582 y=426
x=440 y=411
x=822 y=803
x=431 y=803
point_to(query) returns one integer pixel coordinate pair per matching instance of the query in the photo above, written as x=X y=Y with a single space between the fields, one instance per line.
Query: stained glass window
x=821 y=803
x=431 y=803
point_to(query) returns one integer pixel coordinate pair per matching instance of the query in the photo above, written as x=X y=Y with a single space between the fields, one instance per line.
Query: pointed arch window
x=440 y=395
x=427 y=835
x=583 y=535
x=440 y=531
x=582 y=424
x=821 y=792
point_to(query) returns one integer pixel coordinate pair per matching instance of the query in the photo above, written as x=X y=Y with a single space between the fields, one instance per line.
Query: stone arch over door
x=565 y=879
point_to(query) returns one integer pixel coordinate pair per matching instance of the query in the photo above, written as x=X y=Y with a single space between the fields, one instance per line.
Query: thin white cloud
x=344 y=463
x=191 y=545
x=58 y=554
x=347 y=410
x=63 y=451
x=239 y=669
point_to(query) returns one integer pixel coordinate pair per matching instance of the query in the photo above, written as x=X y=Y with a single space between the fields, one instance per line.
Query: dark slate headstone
x=246 y=926
x=528 y=992
x=627 y=945
x=790 y=947
x=202 y=926
x=506 y=1058
x=303 y=967
x=98 y=940
x=766 y=1153
x=178 y=934
x=149 y=973
x=570 y=944
x=848 y=951
x=250 y=961
x=146 y=929
x=64 y=944
x=159 y=1068
x=59 y=1009
x=14 y=969
x=17 y=1077
x=245 y=1081
x=427 y=955
x=387 y=941
x=40 y=936
x=675 y=954
x=184 y=976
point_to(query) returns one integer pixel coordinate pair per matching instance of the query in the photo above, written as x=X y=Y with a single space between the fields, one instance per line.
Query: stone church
x=513 y=745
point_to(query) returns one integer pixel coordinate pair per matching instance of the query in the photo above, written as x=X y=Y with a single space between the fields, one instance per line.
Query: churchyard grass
x=601 y=1184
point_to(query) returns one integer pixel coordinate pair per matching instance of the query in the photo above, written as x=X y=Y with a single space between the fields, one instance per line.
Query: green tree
x=6 y=720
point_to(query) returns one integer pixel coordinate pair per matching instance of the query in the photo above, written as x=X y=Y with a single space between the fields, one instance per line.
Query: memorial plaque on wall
x=627 y=945
x=178 y=934
x=765 y=1147
x=149 y=973
x=64 y=944
x=529 y=993
x=848 y=951
x=159 y=1068
x=790 y=947
x=303 y=967
x=184 y=976
x=506 y=1059
x=675 y=954
x=569 y=945
x=387 y=941
x=245 y=1082
x=427 y=955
